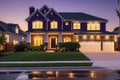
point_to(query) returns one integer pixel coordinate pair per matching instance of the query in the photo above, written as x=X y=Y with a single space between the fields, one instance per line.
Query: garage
x=90 y=46
x=108 y=46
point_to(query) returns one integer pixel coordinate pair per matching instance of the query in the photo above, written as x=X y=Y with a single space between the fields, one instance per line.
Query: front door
x=53 y=42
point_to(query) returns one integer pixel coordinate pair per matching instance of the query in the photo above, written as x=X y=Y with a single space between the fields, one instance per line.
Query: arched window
x=37 y=25
x=54 y=25
x=76 y=25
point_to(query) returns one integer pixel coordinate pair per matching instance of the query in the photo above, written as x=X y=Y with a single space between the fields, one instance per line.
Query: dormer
x=44 y=9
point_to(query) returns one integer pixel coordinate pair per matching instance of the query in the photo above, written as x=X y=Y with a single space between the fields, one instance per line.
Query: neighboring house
x=12 y=33
x=49 y=27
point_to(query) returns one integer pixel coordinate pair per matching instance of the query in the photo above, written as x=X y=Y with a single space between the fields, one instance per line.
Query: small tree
x=2 y=41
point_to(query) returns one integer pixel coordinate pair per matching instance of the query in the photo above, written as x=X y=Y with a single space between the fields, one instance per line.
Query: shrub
x=38 y=48
x=69 y=46
x=20 y=47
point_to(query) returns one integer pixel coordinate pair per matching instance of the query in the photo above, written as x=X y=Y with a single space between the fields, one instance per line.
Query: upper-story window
x=93 y=26
x=37 y=25
x=17 y=30
x=76 y=25
x=54 y=25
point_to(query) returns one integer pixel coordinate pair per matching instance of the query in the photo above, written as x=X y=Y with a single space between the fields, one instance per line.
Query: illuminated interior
x=67 y=39
x=17 y=30
x=15 y=42
x=1 y=47
x=38 y=41
x=93 y=26
x=54 y=25
x=37 y=25
x=76 y=38
x=76 y=25
x=7 y=38
x=115 y=38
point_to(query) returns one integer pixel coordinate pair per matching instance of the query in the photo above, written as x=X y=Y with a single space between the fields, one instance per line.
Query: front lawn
x=44 y=56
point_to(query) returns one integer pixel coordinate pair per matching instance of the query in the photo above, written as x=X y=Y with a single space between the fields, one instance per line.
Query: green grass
x=45 y=65
x=43 y=56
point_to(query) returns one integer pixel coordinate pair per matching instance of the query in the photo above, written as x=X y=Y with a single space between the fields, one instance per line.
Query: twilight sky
x=16 y=11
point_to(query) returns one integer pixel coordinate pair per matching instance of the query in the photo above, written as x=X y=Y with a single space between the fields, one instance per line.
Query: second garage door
x=90 y=46
x=108 y=46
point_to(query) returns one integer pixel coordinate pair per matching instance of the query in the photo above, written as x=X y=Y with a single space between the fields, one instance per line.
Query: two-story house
x=13 y=35
x=49 y=27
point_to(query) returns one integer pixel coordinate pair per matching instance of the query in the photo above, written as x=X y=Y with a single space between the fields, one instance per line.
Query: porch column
x=60 y=38
x=28 y=39
x=46 y=39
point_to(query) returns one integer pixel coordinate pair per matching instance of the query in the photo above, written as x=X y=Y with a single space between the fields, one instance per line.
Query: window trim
x=76 y=25
x=54 y=25
x=37 y=25
x=93 y=26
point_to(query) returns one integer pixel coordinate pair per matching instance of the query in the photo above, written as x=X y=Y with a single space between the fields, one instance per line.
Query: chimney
x=31 y=10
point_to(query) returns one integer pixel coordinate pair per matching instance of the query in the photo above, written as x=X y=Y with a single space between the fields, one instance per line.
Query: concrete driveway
x=109 y=60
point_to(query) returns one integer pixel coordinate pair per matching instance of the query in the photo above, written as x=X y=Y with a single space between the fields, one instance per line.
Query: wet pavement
x=62 y=75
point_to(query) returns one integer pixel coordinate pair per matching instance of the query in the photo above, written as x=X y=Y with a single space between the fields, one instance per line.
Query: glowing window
x=54 y=25
x=38 y=41
x=1 y=47
x=37 y=25
x=7 y=38
x=15 y=42
x=76 y=25
x=67 y=39
x=17 y=30
x=93 y=26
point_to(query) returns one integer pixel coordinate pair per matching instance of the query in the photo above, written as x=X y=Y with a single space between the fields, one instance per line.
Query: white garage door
x=90 y=46
x=108 y=46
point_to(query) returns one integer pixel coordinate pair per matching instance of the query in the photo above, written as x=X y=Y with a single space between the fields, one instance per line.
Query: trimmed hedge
x=68 y=46
x=38 y=48
x=20 y=47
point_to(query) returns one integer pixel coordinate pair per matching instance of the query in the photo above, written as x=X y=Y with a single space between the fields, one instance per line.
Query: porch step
x=50 y=50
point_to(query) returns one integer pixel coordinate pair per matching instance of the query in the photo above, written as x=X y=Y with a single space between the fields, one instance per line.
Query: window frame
x=37 y=25
x=76 y=25
x=54 y=25
x=93 y=26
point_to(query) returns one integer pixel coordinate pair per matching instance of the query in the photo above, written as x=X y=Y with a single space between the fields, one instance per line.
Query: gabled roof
x=80 y=16
x=34 y=14
x=8 y=27
x=44 y=7
x=54 y=12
